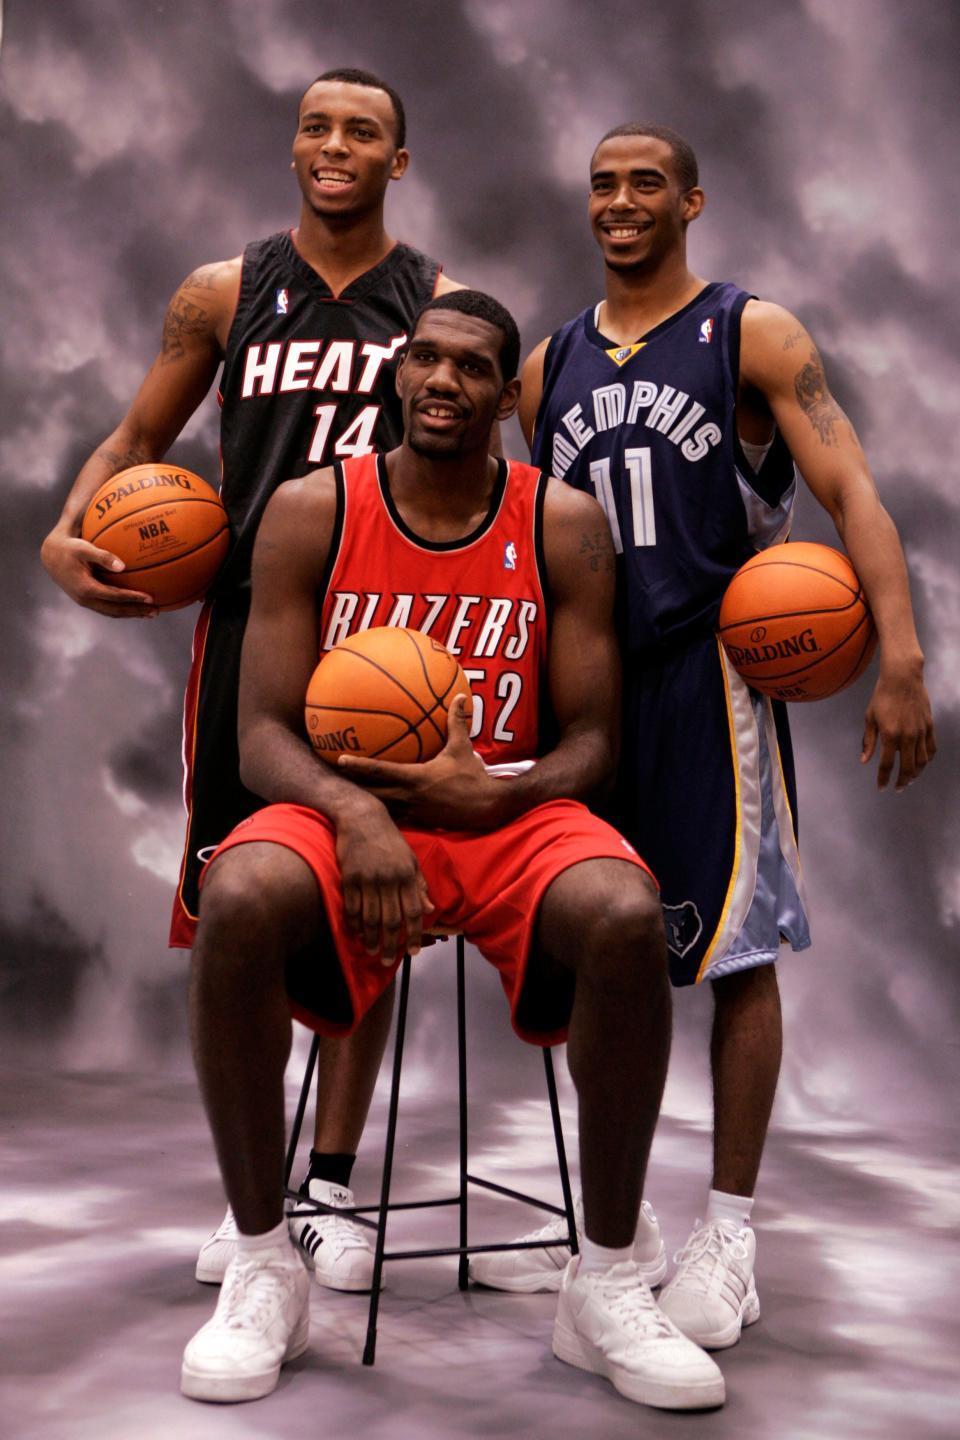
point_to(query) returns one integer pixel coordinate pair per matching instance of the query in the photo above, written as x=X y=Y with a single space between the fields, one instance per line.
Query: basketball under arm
x=780 y=359
x=174 y=386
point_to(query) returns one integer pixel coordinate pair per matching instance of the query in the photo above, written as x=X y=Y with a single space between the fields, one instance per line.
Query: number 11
x=641 y=496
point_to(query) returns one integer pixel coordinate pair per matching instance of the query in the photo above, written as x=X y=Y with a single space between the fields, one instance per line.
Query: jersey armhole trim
x=733 y=342
x=543 y=481
x=336 y=538
x=772 y=481
x=776 y=474
x=548 y=357
x=239 y=308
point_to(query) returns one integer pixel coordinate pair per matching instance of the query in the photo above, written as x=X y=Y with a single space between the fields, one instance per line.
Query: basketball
x=383 y=693
x=168 y=527
x=795 y=623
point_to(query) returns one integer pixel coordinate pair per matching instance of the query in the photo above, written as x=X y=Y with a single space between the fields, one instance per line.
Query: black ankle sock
x=334 y=1168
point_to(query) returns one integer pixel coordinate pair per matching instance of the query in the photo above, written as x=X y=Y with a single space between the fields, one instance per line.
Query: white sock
x=600 y=1257
x=734 y=1209
x=275 y=1241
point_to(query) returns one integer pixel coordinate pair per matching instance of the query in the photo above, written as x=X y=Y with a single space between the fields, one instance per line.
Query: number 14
x=641 y=496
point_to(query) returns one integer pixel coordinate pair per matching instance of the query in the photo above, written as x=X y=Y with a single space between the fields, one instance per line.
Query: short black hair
x=372 y=82
x=483 y=307
x=683 y=157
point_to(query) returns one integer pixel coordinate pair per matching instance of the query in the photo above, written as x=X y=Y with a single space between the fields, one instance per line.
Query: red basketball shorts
x=487 y=886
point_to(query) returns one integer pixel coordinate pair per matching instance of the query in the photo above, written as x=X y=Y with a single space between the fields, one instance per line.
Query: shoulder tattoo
x=187 y=313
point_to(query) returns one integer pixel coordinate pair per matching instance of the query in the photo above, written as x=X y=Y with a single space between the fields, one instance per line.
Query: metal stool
x=359 y=1212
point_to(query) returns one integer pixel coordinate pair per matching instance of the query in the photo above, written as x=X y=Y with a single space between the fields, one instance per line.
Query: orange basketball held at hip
x=795 y=623
x=167 y=525
x=385 y=694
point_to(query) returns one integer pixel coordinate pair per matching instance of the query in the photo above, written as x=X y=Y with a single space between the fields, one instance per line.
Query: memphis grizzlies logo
x=684 y=927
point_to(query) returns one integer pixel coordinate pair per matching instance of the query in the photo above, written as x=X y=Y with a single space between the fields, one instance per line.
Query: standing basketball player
x=681 y=405
x=313 y=899
x=308 y=325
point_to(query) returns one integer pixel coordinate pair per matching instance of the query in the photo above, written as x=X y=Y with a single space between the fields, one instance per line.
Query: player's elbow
x=253 y=749
x=602 y=746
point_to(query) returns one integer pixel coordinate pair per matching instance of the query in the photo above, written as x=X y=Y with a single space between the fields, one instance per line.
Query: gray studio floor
x=108 y=1189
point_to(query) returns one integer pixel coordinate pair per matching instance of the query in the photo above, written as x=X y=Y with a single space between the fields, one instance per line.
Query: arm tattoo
x=184 y=316
x=598 y=550
x=815 y=400
x=793 y=338
x=122 y=460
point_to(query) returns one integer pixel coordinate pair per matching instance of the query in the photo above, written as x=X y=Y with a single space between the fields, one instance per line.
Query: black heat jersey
x=649 y=429
x=308 y=377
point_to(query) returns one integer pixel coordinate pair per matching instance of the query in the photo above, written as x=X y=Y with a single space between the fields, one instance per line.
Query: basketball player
x=311 y=900
x=681 y=405
x=308 y=326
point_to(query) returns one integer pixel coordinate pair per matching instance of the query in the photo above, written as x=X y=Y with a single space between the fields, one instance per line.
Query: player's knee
x=242 y=900
x=627 y=944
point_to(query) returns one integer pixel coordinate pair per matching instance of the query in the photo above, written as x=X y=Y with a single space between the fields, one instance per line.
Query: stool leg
x=561 y=1149
x=369 y=1350
x=301 y=1107
x=462 y=1078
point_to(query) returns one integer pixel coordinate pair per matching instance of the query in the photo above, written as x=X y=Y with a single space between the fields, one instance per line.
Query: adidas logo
x=310 y=1240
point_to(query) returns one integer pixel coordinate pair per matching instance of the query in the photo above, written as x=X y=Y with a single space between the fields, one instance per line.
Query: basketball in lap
x=383 y=693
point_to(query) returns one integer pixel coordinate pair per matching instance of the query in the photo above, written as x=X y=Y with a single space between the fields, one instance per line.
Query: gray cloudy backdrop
x=140 y=141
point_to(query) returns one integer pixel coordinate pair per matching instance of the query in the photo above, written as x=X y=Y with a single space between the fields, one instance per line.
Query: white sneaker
x=334 y=1247
x=217 y=1252
x=608 y=1322
x=531 y=1271
x=713 y=1292
x=262 y=1320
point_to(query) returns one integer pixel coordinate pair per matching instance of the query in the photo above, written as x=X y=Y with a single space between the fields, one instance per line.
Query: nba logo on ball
x=283 y=302
x=706 y=332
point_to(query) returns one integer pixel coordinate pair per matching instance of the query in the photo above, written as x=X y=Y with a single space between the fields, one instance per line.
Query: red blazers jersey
x=483 y=597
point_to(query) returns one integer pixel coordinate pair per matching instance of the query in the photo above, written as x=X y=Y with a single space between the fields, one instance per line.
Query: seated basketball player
x=312 y=900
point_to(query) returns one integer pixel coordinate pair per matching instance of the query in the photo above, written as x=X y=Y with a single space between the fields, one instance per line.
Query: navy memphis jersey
x=309 y=377
x=649 y=429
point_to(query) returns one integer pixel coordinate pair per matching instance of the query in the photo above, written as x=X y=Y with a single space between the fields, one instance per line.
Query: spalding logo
x=334 y=739
x=800 y=644
x=172 y=479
